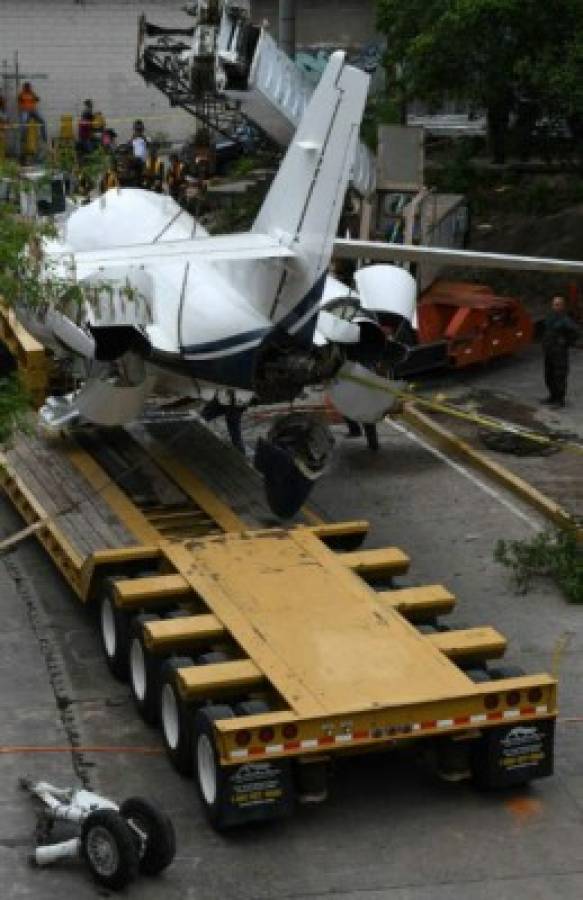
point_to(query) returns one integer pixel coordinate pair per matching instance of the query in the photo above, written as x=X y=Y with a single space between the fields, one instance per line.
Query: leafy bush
x=553 y=554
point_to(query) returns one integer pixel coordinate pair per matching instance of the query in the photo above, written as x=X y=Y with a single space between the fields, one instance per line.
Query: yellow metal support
x=137 y=592
x=376 y=563
x=469 y=643
x=172 y=634
x=206 y=681
x=430 y=599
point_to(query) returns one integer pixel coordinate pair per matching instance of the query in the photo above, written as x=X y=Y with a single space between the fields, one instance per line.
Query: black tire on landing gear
x=144 y=670
x=155 y=832
x=175 y=716
x=109 y=848
x=210 y=777
x=114 y=625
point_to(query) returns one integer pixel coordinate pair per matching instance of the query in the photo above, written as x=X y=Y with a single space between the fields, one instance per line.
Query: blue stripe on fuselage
x=235 y=368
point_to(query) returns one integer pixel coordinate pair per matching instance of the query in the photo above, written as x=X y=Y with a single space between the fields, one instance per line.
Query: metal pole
x=287 y=27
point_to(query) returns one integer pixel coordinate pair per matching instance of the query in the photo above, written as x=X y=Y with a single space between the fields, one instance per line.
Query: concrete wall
x=335 y=22
x=74 y=49
x=86 y=48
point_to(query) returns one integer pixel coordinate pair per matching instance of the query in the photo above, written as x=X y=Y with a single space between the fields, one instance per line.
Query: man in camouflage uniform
x=560 y=333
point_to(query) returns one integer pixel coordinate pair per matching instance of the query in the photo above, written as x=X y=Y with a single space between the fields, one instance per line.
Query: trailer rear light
x=491 y=701
x=513 y=698
x=290 y=731
x=243 y=737
x=266 y=734
x=535 y=695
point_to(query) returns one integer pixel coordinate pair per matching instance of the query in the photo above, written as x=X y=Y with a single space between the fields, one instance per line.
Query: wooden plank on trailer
x=206 y=681
x=132 y=593
x=432 y=599
x=169 y=634
x=340 y=529
x=469 y=643
x=376 y=563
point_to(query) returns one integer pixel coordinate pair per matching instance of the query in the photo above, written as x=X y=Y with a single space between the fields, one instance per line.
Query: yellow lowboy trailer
x=263 y=653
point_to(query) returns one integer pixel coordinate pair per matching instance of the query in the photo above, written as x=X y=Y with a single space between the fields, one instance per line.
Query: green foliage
x=489 y=53
x=242 y=166
x=380 y=110
x=14 y=407
x=554 y=554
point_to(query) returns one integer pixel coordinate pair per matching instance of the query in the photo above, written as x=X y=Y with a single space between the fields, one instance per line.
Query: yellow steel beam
x=206 y=681
x=135 y=592
x=432 y=599
x=208 y=501
x=171 y=634
x=376 y=563
x=122 y=506
x=470 y=643
x=340 y=529
x=444 y=438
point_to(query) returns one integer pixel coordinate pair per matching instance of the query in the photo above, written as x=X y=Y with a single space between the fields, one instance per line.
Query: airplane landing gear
x=294 y=455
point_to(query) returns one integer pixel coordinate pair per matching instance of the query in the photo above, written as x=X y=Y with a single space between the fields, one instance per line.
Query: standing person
x=85 y=128
x=139 y=146
x=27 y=111
x=560 y=333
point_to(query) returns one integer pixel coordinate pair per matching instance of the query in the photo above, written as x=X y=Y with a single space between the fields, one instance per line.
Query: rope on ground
x=449 y=409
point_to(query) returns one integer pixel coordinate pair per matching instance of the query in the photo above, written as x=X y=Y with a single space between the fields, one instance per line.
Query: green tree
x=493 y=54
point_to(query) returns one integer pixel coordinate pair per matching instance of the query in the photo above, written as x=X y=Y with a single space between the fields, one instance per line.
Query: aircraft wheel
x=155 y=831
x=109 y=848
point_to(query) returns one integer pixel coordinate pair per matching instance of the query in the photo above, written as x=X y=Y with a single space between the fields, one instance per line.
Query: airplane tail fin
x=303 y=207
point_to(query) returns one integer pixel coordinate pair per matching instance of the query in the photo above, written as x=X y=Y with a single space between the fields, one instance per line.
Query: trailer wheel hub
x=170 y=722
x=108 y=628
x=138 y=669
x=207 y=775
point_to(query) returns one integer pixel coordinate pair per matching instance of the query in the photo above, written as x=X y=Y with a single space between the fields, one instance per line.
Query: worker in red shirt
x=27 y=111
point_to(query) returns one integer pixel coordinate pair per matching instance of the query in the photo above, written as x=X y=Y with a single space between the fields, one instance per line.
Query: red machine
x=475 y=324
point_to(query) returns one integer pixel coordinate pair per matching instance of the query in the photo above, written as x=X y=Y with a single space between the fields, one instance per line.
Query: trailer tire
x=175 y=716
x=159 y=848
x=144 y=670
x=114 y=625
x=209 y=776
x=109 y=848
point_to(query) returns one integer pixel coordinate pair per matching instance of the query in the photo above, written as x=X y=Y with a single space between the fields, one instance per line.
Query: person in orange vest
x=176 y=177
x=27 y=111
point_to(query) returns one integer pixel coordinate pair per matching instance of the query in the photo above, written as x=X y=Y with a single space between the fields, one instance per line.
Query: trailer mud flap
x=256 y=792
x=514 y=754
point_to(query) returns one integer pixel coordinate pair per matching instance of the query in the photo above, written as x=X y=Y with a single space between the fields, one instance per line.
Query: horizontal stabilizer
x=244 y=246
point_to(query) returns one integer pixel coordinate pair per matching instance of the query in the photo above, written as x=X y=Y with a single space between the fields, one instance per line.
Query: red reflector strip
x=388 y=732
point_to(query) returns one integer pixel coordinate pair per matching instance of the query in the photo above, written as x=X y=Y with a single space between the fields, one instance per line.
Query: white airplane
x=247 y=318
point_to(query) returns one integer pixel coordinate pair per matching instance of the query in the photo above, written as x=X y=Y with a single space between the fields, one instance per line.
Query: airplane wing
x=246 y=246
x=378 y=251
